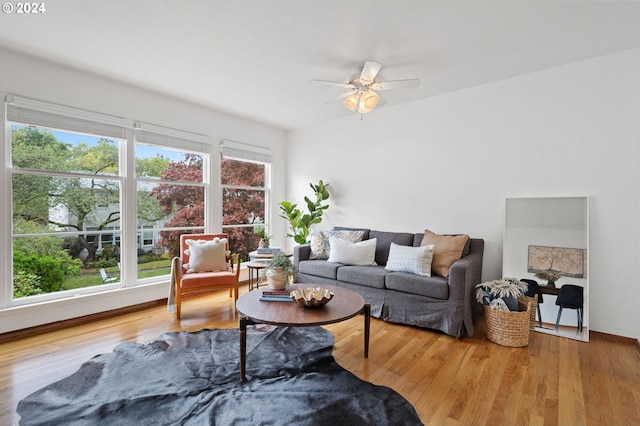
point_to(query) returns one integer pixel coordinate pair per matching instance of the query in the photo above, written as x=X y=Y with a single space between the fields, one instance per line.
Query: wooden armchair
x=204 y=265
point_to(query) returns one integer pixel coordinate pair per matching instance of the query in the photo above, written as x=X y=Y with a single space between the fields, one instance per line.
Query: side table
x=256 y=266
x=254 y=255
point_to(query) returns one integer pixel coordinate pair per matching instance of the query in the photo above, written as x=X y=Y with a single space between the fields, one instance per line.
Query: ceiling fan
x=363 y=96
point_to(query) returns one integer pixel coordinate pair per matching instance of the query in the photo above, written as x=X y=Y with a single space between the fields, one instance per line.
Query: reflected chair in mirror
x=572 y=297
x=533 y=289
x=205 y=265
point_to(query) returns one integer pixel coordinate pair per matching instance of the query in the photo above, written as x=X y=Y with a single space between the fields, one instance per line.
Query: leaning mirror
x=546 y=242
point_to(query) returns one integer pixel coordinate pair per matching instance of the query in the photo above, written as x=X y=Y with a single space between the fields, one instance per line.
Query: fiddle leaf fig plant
x=299 y=222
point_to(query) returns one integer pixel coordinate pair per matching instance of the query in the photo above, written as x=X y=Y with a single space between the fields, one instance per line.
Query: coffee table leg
x=367 y=323
x=243 y=347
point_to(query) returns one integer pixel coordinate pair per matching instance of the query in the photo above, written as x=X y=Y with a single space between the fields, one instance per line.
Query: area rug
x=185 y=378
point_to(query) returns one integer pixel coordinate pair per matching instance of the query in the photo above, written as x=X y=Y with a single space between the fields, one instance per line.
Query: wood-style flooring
x=468 y=381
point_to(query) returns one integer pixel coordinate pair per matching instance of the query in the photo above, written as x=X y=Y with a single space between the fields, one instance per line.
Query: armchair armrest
x=234 y=257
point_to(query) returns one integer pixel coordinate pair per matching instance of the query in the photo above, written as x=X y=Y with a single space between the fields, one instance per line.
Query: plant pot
x=276 y=278
x=264 y=243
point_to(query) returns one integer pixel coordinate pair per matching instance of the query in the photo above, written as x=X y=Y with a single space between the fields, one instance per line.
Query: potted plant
x=550 y=276
x=300 y=223
x=260 y=230
x=280 y=271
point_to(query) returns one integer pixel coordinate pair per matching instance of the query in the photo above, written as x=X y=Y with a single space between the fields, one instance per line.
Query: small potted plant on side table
x=280 y=271
x=260 y=230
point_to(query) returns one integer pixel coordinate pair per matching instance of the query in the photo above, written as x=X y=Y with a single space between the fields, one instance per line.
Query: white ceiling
x=258 y=58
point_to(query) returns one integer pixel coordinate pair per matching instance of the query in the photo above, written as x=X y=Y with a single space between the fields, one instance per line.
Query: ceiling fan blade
x=370 y=71
x=397 y=84
x=336 y=83
x=381 y=100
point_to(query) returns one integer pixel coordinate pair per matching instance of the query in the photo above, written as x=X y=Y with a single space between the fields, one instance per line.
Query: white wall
x=447 y=163
x=28 y=77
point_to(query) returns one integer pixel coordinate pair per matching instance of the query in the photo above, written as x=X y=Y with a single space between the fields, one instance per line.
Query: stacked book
x=268 y=250
x=275 y=296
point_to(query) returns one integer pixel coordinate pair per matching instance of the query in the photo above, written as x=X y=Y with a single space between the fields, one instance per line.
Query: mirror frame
x=558 y=222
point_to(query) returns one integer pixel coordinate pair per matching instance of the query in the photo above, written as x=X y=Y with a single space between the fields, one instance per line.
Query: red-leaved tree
x=185 y=204
x=241 y=205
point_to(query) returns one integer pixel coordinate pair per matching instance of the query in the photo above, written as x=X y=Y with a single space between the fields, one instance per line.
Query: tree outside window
x=244 y=201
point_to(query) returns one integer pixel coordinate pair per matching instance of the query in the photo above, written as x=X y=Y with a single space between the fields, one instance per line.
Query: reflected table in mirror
x=549 y=289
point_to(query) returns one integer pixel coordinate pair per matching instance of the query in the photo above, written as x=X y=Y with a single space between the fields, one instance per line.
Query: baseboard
x=615 y=338
x=58 y=325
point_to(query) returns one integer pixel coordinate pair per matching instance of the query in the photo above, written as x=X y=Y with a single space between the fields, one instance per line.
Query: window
x=171 y=200
x=245 y=180
x=60 y=181
x=75 y=203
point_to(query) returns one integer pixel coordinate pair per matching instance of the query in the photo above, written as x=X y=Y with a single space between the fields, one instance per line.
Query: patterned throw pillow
x=206 y=255
x=319 y=241
x=348 y=253
x=415 y=260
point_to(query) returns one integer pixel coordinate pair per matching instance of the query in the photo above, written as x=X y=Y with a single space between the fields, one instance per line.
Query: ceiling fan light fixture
x=351 y=101
x=368 y=101
x=362 y=101
x=363 y=96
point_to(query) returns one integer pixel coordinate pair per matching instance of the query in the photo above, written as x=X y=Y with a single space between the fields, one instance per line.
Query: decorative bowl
x=311 y=297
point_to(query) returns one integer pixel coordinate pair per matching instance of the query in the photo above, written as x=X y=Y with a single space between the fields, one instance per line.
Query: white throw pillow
x=319 y=241
x=415 y=260
x=348 y=253
x=206 y=255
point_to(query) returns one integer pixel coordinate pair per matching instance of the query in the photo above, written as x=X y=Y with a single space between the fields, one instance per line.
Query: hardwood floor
x=468 y=381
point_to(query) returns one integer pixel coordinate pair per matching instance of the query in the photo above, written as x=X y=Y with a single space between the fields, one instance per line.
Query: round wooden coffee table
x=345 y=304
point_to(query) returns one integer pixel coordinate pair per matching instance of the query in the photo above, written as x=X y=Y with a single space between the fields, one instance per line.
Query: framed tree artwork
x=568 y=262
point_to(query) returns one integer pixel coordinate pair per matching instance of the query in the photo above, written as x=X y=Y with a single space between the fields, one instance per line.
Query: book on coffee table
x=275 y=298
x=276 y=292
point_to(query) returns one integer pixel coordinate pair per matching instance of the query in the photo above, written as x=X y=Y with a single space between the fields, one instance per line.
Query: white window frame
x=22 y=110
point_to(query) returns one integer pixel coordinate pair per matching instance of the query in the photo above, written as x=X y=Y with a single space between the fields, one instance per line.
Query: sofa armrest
x=301 y=252
x=464 y=275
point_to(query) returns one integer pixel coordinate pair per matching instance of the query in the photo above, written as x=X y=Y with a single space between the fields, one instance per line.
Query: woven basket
x=509 y=328
x=532 y=311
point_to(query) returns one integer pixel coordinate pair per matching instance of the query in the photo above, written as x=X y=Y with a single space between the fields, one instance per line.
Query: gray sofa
x=431 y=302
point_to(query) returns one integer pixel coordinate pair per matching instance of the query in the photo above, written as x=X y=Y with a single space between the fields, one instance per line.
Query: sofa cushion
x=436 y=287
x=365 y=231
x=384 y=243
x=415 y=260
x=319 y=241
x=345 y=252
x=369 y=276
x=319 y=268
x=448 y=249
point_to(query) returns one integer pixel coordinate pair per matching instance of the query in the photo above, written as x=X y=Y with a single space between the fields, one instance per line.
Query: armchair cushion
x=207 y=255
x=207 y=279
